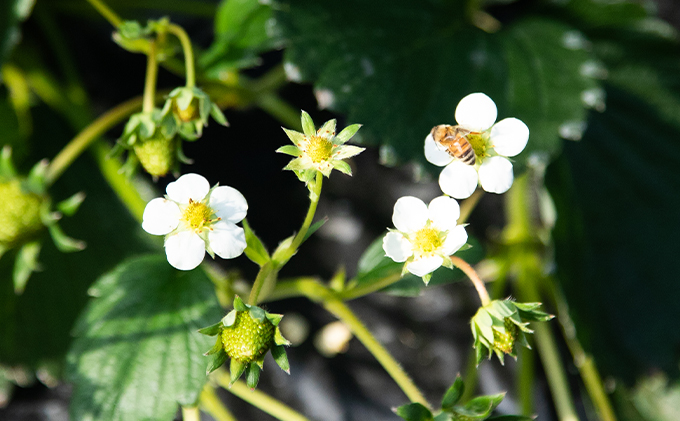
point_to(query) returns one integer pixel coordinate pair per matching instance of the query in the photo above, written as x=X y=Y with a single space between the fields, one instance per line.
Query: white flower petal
x=397 y=247
x=495 y=174
x=188 y=186
x=228 y=203
x=422 y=267
x=410 y=214
x=476 y=112
x=227 y=240
x=160 y=216
x=509 y=136
x=458 y=180
x=435 y=154
x=454 y=240
x=443 y=211
x=185 y=250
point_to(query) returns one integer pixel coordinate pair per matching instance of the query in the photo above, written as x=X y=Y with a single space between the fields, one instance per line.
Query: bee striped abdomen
x=453 y=139
x=462 y=150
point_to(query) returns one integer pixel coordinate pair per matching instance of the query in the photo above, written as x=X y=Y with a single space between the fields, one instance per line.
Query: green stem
x=476 y=280
x=468 y=205
x=259 y=399
x=150 y=81
x=314 y=196
x=209 y=402
x=525 y=380
x=265 y=273
x=89 y=134
x=105 y=11
x=181 y=34
x=345 y=314
x=190 y=413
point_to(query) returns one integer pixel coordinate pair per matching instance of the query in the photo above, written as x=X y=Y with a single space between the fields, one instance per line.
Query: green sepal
x=443 y=416
x=7 y=169
x=291 y=150
x=236 y=369
x=211 y=330
x=307 y=124
x=259 y=362
x=414 y=412
x=315 y=226
x=342 y=166
x=453 y=395
x=296 y=137
x=346 y=134
x=239 y=305
x=253 y=375
x=255 y=250
x=216 y=348
x=279 y=339
x=217 y=114
x=70 y=206
x=479 y=407
x=216 y=361
x=337 y=282
x=328 y=129
x=35 y=181
x=64 y=243
x=273 y=318
x=26 y=263
x=426 y=278
x=347 y=151
x=229 y=319
x=279 y=354
x=257 y=313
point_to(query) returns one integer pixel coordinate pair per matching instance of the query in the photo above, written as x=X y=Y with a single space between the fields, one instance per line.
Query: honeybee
x=453 y=139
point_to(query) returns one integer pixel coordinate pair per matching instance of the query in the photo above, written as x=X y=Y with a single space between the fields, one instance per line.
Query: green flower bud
x=501 y=325
x=245 y=335
x=191 y=107
x=19 y=214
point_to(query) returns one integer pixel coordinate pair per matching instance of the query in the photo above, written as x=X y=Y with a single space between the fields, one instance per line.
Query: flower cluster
x=196 y=218
x=425 y=235
x=245 y=335
x=492 y=145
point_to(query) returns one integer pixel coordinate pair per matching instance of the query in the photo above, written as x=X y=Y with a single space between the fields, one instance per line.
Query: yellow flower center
x=319 y=148
x=478 y=144
x=197 y=215
x=427 y=240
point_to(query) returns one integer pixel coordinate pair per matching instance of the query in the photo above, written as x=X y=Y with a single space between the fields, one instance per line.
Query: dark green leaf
x=374 y=266
x=12 y=12
x=256 y=251
x=428 y=58
x=137 y=352
x=414 y=412
x=315 y=226
x=452 y=396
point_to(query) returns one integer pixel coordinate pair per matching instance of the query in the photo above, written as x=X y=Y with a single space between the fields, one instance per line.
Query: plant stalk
x=150 y=81
x=106 y=12
x=209 y=402
x=188 y=51
x=476 y=280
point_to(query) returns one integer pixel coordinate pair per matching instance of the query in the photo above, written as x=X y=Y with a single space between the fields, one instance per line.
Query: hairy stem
x=105 y=11
x=314 y=197
x=89 y=134
x=188 y=51
x=259 y=399
x=476 y=280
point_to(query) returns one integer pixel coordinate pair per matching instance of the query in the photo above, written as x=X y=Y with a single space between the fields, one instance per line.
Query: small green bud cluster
x=190 y=108
x=501 y=325
x=245 y=335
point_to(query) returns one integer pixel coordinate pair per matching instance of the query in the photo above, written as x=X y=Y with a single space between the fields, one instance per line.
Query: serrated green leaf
x=279 y=354
x=453 y=395
x=145 y=315
x=255 y=250
x=414 y=412
x=524 y=64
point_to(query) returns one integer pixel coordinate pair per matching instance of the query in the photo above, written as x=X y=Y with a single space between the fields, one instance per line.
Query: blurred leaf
x=422 y=58
x=453 y=395
x=657 y=399
x=414 y=412
x=138 y=352
x=374 y=266
x=616 y=239
x=240 y=35
x=55 y=295
x=599 y=14
x=12 y=12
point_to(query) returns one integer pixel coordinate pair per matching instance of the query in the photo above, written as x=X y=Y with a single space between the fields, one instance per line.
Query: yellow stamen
x=196 y=215
x=319 y=148
x=478 y=143
x=426 y=240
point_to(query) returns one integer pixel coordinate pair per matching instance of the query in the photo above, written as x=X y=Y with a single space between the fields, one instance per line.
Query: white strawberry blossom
x=196 y=218
x=425 y=235
x=492 y=143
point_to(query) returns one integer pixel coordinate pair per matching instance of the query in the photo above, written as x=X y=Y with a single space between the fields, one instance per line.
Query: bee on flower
x=196 y=218
x=476 y=151
x=425 y=235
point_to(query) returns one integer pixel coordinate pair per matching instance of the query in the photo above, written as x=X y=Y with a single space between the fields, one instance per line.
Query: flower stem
x=314 y=197
x=209 y=402
x=476 y=281
x=89 y=134
x=266 y=272
x=191 y=413
x=105 y=11
x=150 y=81
x=259 y=399
x=345 y=314
x=468 y=205
x=181 y=34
